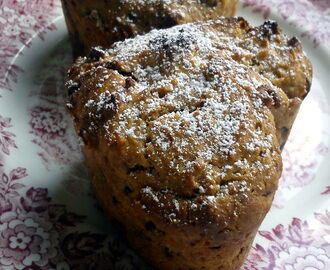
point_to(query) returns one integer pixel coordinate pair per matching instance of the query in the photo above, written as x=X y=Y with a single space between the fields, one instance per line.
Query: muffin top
x=113 y=20
x=176 y=115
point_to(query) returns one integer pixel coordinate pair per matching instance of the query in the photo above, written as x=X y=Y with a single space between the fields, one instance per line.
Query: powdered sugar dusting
x=193 y=111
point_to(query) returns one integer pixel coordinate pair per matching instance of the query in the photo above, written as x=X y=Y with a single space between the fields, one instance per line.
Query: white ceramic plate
x=48 y=217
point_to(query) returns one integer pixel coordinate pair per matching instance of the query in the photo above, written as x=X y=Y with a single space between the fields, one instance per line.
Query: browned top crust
x=189 y=130
x=270 y=53
x=181 y=131
x=101 y=23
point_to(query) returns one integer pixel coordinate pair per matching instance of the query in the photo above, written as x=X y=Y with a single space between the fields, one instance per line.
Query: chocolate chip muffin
x=273 y=55
x=101 y=23
x=181 y=143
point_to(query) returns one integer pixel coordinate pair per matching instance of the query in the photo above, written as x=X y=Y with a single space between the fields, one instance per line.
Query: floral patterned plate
x=48 y=216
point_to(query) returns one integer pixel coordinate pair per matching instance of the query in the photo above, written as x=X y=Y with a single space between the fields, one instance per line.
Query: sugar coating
x=191 y=119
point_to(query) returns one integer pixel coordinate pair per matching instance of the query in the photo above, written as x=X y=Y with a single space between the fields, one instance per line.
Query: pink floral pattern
x=19 y=21
x=304 y=151
x=327 y=191
x=26 y=240
x=295 y=247
x=310 y=15
x=39 y=233
x=6 y=137
x=9 y=188
x=36 y=234
x=50 y=130
x=50 y=125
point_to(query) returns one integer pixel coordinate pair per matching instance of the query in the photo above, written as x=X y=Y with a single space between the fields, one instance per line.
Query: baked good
x=101 y=23
x=273 y=55
x=180 y=142
x=266 y=48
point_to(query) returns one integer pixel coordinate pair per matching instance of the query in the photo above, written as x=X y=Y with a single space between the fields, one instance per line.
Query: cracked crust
x=101 y=23
x=273 y=55
x=181 y=143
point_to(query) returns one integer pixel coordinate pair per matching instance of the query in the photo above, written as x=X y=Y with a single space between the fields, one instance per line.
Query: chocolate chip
x=269 y=28
x=150 y=226
x=210 y=3
x=127 y=190
x=169 y=44
x=132 y=17
x=129 y=82
x=168 y=252
x=269 y=96
x=116 y=66
x=272 y=26
x=170 y=20
x=73 y=87
x=83 y=134
x=293 y=42
x=109 y=107
x=284 y=132
x=217 y=247
x=255 y=62
x=96 y=53
x=136 y=168
x=114 y=200
x=242 y=23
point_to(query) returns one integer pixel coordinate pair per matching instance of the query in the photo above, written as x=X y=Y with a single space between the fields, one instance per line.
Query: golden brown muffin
x=273 y=55
x=181 y=144
x=101 y=23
